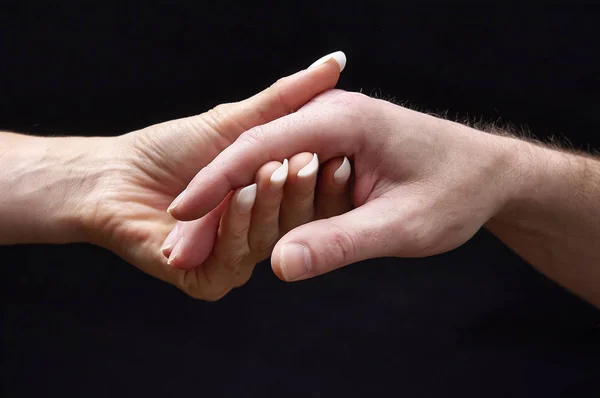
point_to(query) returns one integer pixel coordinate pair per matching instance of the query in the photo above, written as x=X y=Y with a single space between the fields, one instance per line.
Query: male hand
x=422 y=186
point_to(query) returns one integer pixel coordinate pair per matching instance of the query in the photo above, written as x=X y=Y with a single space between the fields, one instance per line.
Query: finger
x=264 y=226
x=322 y=246
x=231 y=248
x=190 y=243
x=330 y=134
x=283 y=97
x=297 y=207
x=333 y=189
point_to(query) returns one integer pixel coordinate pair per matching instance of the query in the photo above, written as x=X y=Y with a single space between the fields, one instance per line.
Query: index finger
x=318 y=129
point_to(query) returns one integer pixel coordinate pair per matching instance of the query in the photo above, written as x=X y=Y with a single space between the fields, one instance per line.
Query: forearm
x=46 y=187
x=553 y=219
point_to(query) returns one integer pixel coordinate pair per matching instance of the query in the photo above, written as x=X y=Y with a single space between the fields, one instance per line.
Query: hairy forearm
x=46 y=187
x=553 y=217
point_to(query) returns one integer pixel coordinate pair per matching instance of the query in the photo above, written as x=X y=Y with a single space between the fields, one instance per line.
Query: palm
x=135 y=222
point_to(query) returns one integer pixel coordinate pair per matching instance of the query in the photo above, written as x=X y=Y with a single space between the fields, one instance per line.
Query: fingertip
x=337 y=58
x=272 y=175
x=298 y=162
x=199 y=235
x=266 y=170
x=333 y=195
x=201 y=196
x=275 y=265
x=176 y=202
x=342 y=174
x=182 y=256
x=334 y=178
x=244 y=198
x=311 y=168
x=293 y=261
x=279 y=176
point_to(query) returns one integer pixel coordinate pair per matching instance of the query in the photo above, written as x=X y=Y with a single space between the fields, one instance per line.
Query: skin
x=240 y=240
x=114 y=192
x=422 y=186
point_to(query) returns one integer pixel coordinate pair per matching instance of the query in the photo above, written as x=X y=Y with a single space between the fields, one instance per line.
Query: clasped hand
x=208 y=257
x=417 y=186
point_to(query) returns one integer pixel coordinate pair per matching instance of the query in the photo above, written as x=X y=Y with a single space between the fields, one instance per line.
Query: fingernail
x=294 y=260
x=177 y=201
x=170 y=240
x=279 y=176
x=245 y=199
x=175 y=251
x=342 y=174
x=339 y=57
x=311 y=168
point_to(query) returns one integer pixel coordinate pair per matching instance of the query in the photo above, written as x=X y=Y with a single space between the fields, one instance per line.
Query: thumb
x=285 y=96
x=186 y=145
x=325 y=245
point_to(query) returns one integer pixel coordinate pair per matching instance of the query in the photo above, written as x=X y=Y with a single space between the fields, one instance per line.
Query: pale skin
x=114 y=192
x=422 y=186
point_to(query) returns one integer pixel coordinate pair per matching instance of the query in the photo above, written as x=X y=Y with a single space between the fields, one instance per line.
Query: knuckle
x=341 y=247
x=343 y=98
x=238 y=234
x=215 y=117
x=253 y=137
x=219 y=113
x=220 y=120
x=352 y=98
x=280 y=81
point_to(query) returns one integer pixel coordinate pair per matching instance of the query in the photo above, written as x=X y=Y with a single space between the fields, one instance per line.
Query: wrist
x=51 y=190
x=536 y=176
x=494 y=167
x=86 y=167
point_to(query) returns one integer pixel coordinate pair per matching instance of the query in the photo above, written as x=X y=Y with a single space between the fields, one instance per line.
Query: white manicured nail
x=245 y=199
x=279 y=176
x=311 y=168
x=342 y=174
x=339 y=57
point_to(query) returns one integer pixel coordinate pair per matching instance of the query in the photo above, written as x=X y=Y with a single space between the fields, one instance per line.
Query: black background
x=478 y=321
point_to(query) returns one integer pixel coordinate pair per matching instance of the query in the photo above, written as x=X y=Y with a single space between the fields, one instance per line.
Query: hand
x=224 y=246
x=149 y=167
x=422 y=186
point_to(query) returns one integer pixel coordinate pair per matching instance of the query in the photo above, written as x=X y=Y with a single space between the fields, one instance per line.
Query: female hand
x=140 y=173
